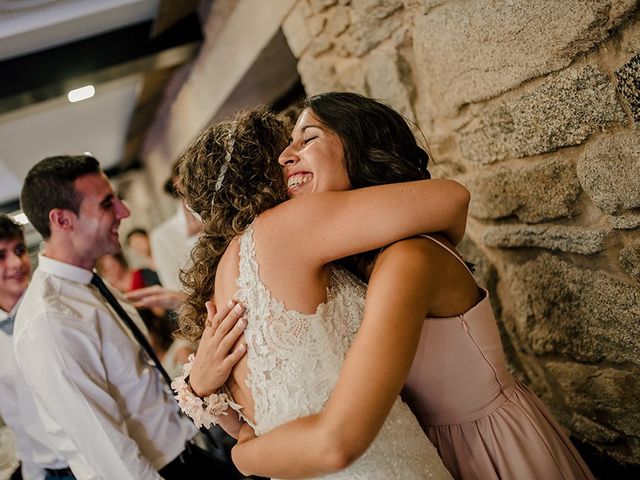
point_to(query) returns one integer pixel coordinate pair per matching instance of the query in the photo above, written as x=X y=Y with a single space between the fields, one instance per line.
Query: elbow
x=462 y=198
x=458 y=217
x=238 y=460
x=340 y=452
x=338 y=459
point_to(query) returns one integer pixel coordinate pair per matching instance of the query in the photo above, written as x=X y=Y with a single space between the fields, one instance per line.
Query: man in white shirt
x=38 y=458
x=172 y=240
x=100 y=397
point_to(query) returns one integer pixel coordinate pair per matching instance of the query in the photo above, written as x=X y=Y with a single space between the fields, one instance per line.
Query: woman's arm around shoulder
x=332 y=225
x=371 y=378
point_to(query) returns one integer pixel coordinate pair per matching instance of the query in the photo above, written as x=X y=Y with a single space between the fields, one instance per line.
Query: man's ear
x=61 y=219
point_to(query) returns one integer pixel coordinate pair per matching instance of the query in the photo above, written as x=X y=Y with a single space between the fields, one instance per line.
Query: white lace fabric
x=294 y=362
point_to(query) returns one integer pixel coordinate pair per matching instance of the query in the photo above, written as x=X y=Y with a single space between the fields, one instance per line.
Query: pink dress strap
x=450 y=250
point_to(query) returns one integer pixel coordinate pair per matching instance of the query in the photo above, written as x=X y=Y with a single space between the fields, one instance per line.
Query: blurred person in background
x=139 y=244
x=172 y=240
x=38 y=459
x=115 y=268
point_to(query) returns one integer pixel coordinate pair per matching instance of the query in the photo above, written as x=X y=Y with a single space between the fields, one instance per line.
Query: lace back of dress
x=284 y=346
x=294 y=361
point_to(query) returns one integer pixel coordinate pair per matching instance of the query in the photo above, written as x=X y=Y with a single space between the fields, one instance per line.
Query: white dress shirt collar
x=64 y=270
x=4 y=314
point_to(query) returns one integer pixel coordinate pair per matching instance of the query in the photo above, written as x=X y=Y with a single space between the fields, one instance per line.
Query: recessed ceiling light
x=81 y=93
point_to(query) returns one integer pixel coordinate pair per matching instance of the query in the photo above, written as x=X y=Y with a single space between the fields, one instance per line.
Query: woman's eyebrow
x=302 y=130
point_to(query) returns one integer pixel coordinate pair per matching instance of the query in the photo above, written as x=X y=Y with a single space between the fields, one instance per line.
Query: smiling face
x=95 y=231
x=314 y=160
x=15 y=269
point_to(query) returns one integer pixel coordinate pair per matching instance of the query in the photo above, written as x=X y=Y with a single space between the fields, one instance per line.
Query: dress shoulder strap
x=450 y=250
x=248 y=278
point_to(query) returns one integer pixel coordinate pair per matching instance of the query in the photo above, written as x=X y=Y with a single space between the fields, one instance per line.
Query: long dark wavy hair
x=246 y=149
x=379 y=148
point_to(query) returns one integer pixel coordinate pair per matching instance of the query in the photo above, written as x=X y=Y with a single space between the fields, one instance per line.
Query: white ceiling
x=27 y=26
x=97 y=125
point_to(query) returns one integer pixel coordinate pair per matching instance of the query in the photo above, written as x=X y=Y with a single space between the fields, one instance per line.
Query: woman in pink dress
x=425 y=319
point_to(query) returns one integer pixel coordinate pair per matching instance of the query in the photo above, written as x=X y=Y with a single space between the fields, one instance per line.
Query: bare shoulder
x=447 y=282
x=427 y=262
x=227 y=272
x=412 y=259
x=231 y=255
x=418 y=250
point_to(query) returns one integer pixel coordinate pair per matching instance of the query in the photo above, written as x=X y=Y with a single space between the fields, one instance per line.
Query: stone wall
x=535 y=107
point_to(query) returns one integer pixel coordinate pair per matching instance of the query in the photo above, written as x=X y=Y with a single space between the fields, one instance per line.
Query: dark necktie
x=137 y=333
x=140 y=337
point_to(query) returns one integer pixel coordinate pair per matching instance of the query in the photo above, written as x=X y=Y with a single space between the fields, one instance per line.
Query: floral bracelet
x=204 y=411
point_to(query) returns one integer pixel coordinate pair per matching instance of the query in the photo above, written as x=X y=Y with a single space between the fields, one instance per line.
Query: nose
x=121 y=209
x=288 y=157
x=14 y=261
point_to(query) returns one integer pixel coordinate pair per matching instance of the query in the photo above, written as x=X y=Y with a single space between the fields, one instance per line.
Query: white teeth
x=298 y=179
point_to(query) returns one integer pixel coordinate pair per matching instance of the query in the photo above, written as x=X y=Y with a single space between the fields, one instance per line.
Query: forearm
x=370 y=380
x=314 y=451
x=334 y=225
x=231 y=423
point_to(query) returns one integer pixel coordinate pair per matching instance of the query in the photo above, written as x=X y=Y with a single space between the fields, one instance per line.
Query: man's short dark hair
x=9 y=229
x=49 y=185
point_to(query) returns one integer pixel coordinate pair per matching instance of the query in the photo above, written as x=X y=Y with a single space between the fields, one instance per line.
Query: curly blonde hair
x=252 y=182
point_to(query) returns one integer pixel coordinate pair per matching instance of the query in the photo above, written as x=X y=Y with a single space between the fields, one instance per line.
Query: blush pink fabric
x=484 y=423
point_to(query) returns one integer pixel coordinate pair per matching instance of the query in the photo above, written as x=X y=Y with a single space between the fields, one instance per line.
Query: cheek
x=26 y=265
x=341 y=178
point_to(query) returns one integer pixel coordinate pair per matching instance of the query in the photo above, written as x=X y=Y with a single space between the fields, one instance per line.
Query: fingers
x=211 y=313
x=141 y=293
x=223 y=313
x=149 y=297
x=152 y=301
x=229 y=340
x=135 y=295
x=156 y=296
x=229 y=321
x=146 y=302
x=235 y=356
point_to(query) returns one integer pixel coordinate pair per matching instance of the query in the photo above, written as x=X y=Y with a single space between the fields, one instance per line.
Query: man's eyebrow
x=107 y=199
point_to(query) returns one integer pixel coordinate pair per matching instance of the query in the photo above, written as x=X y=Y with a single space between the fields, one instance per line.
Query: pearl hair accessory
x=232 y=140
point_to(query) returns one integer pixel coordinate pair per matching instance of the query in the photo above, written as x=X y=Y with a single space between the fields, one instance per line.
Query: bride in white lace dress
x=302 y=312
